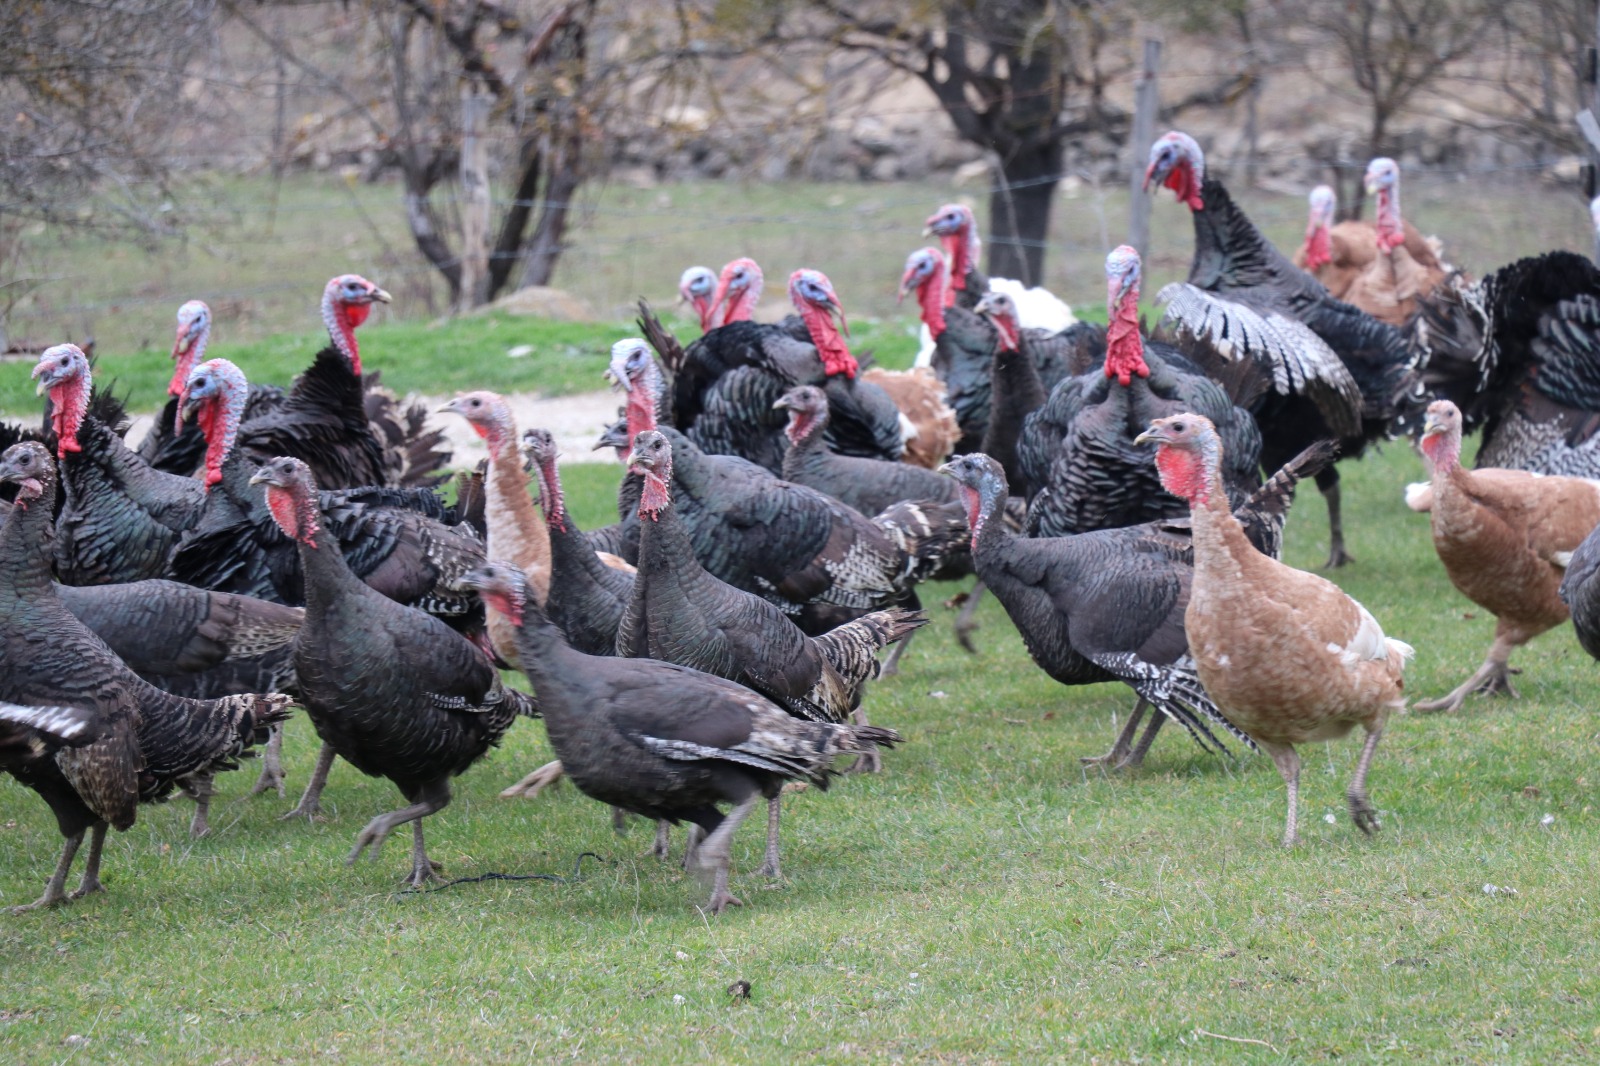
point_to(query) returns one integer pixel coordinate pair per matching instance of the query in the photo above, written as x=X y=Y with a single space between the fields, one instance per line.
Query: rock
x=973 y=173
x=542 y=301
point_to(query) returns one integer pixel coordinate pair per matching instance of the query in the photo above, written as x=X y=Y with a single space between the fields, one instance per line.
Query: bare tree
x=1022 y=79
x=89 y=91
x=404 y=82
x=1390 y=53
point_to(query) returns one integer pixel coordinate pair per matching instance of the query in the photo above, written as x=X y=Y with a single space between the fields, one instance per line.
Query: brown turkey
x=146 y=741
x=1107 y=605
x=393 y=690
x=327 y=419
x=664 y=741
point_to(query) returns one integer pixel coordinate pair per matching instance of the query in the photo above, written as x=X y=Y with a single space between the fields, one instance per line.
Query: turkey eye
x=1177 y=427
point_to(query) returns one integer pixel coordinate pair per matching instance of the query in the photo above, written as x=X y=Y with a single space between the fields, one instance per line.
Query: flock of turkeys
x=163 y=609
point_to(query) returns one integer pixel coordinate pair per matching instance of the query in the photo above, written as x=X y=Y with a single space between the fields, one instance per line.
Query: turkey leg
x=91 y=867
x=716 y=854
x=891 y=665
x=200 y=788
x=432 y=797
x=1287 y=760
x=1337 y=556
x=272 y=764
x=1362 y=812
x=544 y=777
x=1120 y=751
x=310 y=805
x=965 y=625
x=769 y=865
x=1492 y=678
x=663 y=842
x=53 y=894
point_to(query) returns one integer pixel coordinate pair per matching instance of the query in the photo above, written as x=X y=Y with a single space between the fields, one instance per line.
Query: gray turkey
x=1080 y=444
x=146 y=741
x=667 y=742
x=723 y=393
x=391 y=689
x=196 y=643
x=1336 y=371
x=1580 y=591
x=403 y=542
x=120 y=518
x=171 y=446
x=963 y=344
x=803 y=550
x=1519 y=353
x=327 y=418
x=1108 y=605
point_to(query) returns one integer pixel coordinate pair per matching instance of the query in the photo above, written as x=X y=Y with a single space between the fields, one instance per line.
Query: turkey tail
x=928 y=534
x=852 y=649
x=472 y=498
x=1264 y=513
x=661 y=339
x=63 y=725
x=414 y=456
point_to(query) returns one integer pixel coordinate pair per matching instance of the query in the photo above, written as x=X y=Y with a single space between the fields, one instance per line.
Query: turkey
x=1287 y=656
x=171 y=446
x=962 y=345
x=392 y=690
x=1581 y=592
x=1336 y=371
x=349 y=435
x=196 y=643
x=1505 y=538
x=723 y=393
x=871 y=486
x=1336 y=254
x=515 y=534
x=1519 y=353
x=120 y=519
x=799 y=548
x=1391 y=284
x=931 y=429
x=681 y=614
x=957 y=229
x=667 y=742
x=1107 y=605
x=402 y=542
x=586 y=597
x=145 y=741
x=695 y=288
x=1054 y=355
x=1078 y=451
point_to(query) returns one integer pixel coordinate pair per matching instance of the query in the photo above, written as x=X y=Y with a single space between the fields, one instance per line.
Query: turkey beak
x=447 y=408
x=618 y=381
x=379 y=295
x=1154 y=435
x=261 y=477
x=1156 y=172
x=985 y=306
x=181 y=344
x=782 y=404
x=1431 y=425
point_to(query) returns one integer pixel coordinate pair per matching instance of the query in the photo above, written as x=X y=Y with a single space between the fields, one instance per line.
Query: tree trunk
x=1019 y=213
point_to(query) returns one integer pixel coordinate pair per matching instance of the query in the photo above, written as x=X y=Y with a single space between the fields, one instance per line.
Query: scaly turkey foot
x=311 y=812
x=721 y=900
x=1123 y=754
x=423 y=873
x=1363 y=813
x=1338 y=557
x=1492 y=678
x=546 y=776
x=46 y=900
x=86 y=887
x=1498 y=683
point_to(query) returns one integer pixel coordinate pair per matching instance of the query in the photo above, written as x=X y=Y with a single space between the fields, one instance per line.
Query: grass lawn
x=983 y=900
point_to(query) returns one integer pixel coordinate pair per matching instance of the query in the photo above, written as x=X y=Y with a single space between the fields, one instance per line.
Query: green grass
x=984 y=900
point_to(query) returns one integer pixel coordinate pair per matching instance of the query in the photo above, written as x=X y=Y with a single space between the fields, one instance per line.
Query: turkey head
x=291 y=497
x=346 y=302
x=651 y=459
x=983 y=488
x=63 y=372
x=739 y=288
x=808 y=412
x=189 y=346
x=28 y=466
x=957 y=229
x=214 y=395
x=1188 y=457
x=1124 y=346
x=1001 y=311
x=925 y=274
x=812 y=295
x=1177 y=162
x=500 y=585
x=695 y=288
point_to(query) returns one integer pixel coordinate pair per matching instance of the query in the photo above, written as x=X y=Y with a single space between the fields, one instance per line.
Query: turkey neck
x=25 y=550
x=1229 y=252
x=1016 y=391
x=667 y=569
x=548 y=661
x=809 y=454
x=516 y=533
x=328 y=578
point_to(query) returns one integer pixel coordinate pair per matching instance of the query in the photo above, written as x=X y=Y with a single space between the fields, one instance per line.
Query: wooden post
x=474 y=198
x=1146 y=105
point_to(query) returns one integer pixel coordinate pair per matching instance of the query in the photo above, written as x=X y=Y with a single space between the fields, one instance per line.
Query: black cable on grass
x=577 y=875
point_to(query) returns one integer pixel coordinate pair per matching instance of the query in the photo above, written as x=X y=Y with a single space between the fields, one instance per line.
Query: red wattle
x=1441 y=451
x=349 y=317
x=65 y=417
x=1180 y=179
x=970 y=497
x=955 y=246
x=210 y=419
x=1318 y=249
x=641 y=412
x=1124 y=345
x=831 y=348
x=654 y=497
x=1182 y=474
x=1391 y=232
x=555 y=510
x=931 y=297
